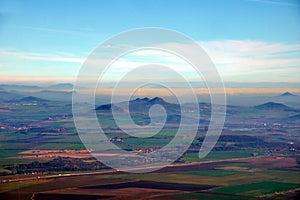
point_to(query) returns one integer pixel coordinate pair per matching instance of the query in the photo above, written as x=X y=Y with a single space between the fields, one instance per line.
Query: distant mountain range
x=63 y=92
x=54 y=95
x=142 y=106
x=29 y=99
x=16 y=87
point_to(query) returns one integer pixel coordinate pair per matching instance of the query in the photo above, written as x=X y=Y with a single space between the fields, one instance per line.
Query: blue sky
x=249 y=40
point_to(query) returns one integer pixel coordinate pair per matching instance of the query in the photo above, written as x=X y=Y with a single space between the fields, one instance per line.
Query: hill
x=27 y=99
x=53 y=95
x=33 y=99
x=272 y=106
x=108 y=108
x=143 y=105
x=61 y=86
x=295 y=117
x=140 y=105
x=287 y=94
x=5 y=95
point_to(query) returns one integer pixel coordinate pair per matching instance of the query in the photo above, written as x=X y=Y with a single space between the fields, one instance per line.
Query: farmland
x=179 y=182
x=42 y=156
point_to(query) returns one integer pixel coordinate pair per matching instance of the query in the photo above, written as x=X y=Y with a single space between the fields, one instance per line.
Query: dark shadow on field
x=41 y=196
x=153 y=185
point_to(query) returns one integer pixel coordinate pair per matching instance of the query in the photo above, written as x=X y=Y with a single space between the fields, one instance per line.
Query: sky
x=248 y=40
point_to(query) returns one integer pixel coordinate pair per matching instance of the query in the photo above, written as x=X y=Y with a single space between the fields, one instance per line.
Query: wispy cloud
x=278 y=2
x=11 y=54
x=246 y=60
x=55 y=30
x=242 y=57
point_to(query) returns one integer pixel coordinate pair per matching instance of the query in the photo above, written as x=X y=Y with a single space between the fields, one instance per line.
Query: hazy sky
x=248 y=40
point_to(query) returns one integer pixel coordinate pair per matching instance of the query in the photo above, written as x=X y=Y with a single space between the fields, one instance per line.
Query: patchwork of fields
x=43 y=158
x=240 y=179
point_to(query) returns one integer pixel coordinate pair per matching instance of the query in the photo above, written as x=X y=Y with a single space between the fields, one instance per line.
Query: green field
x=219 y=155
x=214 y=173
x=207 y=196
x=258 y=189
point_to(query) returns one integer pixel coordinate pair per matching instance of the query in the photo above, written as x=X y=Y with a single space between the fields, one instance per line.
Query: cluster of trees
x=58 y=164
x=238 y=142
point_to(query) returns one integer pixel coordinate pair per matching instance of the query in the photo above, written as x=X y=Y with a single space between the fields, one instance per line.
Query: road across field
x=205 y=165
